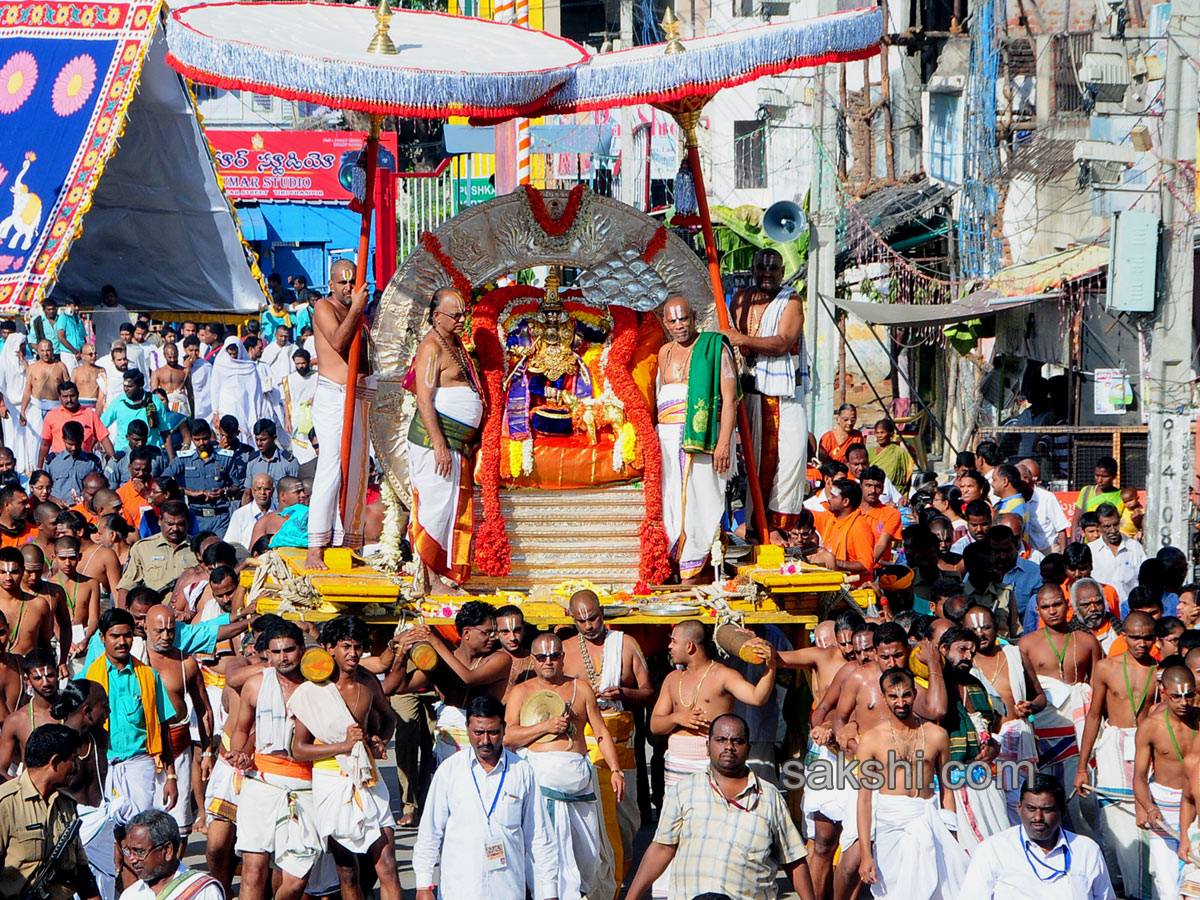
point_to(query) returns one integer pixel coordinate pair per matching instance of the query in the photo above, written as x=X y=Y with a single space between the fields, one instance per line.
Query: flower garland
x=541 y=215
x=493 y=553
x=389 y=558
x=433 y=247
x=654 y=567
x=657 y=243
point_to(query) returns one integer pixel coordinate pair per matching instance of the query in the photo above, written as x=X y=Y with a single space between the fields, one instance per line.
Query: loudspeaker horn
x=784 y=222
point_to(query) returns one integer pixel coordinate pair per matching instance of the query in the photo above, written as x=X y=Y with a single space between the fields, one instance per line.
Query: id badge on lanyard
x=493 y=850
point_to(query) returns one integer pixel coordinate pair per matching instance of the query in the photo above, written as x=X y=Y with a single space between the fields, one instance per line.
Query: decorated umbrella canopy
x=344 y=56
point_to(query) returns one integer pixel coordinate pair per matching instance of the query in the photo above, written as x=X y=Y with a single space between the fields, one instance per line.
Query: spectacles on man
x=139 y=853
x=548 y=657
x=457 y=317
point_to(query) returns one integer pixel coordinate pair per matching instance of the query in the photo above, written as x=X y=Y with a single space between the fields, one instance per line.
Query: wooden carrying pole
x=360 y=279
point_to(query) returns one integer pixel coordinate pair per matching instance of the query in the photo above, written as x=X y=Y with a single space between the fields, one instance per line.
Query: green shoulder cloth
x=702 y=426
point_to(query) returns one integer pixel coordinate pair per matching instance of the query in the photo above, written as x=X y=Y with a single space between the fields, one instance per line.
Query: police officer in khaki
x=34 y=814
x=158 y=561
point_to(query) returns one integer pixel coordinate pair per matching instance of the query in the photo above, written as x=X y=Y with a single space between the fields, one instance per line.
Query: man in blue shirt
x=136 y=405
x=69 y=335
x=71 y=465
x=270 y=458
x=1024 y=575
x=138 y=708
x=209 y=478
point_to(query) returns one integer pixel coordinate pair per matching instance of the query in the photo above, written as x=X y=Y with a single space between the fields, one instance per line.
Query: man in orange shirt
x=135 y=493
x=847 y=538
x=91 y=484
x=71 y=410
x=15 y=529
x=885 y=519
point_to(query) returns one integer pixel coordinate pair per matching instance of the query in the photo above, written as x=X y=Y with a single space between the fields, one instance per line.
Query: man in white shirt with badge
x=484 y=807
x=1038 y=859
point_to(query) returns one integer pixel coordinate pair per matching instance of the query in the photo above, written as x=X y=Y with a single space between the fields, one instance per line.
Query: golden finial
x=671 y=26
x=381 y=44
x=551 y=301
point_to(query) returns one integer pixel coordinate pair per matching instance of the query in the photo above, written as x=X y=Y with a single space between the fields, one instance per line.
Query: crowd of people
x=1015 y=708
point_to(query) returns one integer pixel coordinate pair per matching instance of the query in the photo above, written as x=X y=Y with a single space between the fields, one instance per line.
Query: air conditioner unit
x=774 y=102
x=1106 y=75
x=1103 y=163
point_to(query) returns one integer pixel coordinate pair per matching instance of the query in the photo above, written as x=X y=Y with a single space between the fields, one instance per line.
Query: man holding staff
x=335 y=321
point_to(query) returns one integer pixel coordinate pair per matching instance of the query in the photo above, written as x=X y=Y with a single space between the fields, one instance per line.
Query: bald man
x=1063 y=660
x=336 y=320
x=768 y=327
x=244 y=518
x=697 y=408
x=1165 y=739
x=181 y=678
x=1123 y=692
x=556 y=749
x=1048 y=523
x=441 y=440
x=34 y=582
x=43 y=377
x=613 y=664
x=692 y=696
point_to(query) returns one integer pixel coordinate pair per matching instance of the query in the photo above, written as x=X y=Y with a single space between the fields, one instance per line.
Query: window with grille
x=260 y=102
x=1066 y=54
x=750 y=155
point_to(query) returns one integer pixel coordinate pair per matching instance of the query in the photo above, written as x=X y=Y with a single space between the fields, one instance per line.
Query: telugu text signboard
x=312 y=166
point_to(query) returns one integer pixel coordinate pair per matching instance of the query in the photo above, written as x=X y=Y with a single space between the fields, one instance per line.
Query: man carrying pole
x=337 y=323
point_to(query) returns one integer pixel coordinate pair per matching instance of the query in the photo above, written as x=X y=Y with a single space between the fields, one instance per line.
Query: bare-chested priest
x=556 y=749
x=336 y=320
x=1165 y=738
x=699 y=690
x=180 y=676
x=1124 y=688
x=1062 y=659
x=696 y=394
x=612 y=663
x=342 y=726
x=44 y=376
x=1015 y=692
x=441 y=442
x=768 y=327
x=860 y=708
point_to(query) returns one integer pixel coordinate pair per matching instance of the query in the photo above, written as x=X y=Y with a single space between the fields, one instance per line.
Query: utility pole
x=1167 y=390
x=821 y=331
x=629 y=185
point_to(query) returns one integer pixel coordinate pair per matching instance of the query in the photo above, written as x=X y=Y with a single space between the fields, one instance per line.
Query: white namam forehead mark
x=454 y=299
x=678 y=309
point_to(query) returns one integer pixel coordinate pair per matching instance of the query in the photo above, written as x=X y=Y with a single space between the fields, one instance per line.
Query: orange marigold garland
x=434 y=247
x=654 y=566
x=656 y=244
x=541 y=215
x=493 y=553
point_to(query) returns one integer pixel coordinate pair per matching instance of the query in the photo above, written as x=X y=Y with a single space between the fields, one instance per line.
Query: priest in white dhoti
x=545 y=717
x=1058 y=730
x=441 y=442
x=278 y=790
x=351 y=805
x=613 y=664
x=904 y=827
x=697 y=408
x=768 y=328
x=337 y=319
